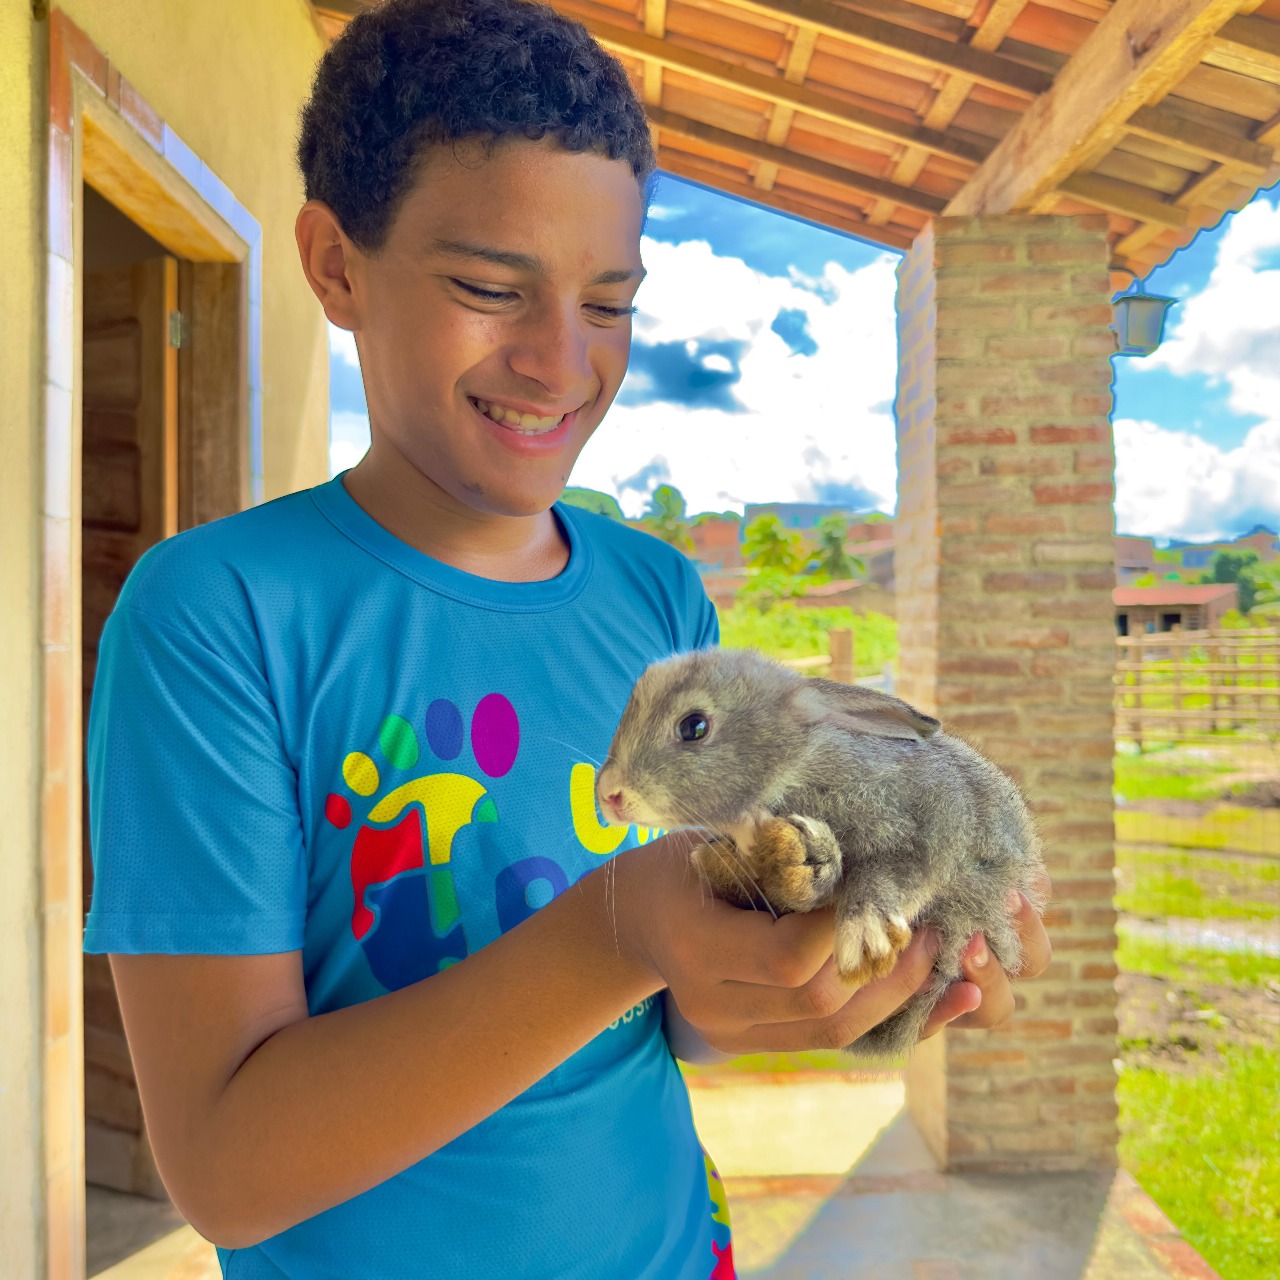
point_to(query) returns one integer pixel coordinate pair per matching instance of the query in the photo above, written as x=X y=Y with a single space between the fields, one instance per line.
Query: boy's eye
x=485 y=295
x=613 y=313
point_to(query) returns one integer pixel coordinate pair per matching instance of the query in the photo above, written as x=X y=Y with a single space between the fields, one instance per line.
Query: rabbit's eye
x=693 y=727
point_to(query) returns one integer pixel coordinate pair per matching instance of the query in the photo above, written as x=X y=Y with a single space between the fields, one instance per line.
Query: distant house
x=1190 y=608
x=717 y=542
x=1135 y=557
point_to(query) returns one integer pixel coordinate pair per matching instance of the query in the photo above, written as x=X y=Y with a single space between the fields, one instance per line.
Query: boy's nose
x=554 y=354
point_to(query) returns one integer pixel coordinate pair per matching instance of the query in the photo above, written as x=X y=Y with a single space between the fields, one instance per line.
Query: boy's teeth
x=522 y=421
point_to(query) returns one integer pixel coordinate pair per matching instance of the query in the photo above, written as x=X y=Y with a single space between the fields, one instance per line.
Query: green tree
x=667 y=518
x=603 y=504
x=767 y=545
x=1264 y=581
x=1237 y=567
x=833 y=562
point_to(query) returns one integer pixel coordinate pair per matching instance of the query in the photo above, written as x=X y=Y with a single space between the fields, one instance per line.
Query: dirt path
x=1178 y=1027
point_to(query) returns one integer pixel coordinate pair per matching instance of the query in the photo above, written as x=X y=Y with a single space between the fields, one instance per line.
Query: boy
x=394 y=996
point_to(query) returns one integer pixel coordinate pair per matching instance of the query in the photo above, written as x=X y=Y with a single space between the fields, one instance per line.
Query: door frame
x=102 y=131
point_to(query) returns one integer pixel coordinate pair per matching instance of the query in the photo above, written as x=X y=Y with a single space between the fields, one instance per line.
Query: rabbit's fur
x=822 y=792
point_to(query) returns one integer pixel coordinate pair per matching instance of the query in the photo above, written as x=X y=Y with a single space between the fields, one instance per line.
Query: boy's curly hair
x=411 y=73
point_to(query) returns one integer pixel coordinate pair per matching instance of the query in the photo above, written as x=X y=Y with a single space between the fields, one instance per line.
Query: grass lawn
x=1204 y=1147
x=788 y=631
x=1199 y=1085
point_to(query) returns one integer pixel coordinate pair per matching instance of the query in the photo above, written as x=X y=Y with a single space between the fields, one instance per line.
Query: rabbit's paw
x=796 y=861
x=721 y=868
x=868 y=943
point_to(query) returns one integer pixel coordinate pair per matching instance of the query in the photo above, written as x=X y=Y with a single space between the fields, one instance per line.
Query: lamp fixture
x=1139 y=320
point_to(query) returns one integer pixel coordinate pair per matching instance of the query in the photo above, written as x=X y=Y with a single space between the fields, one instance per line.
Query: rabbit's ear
x=862 y=710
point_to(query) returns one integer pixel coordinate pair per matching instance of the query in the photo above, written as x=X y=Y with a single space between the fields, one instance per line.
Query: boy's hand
x=747 y=982
x=985 y=998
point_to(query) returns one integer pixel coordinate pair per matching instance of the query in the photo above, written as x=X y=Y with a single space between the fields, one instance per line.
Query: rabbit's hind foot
x=868 y=943
x=796 y=861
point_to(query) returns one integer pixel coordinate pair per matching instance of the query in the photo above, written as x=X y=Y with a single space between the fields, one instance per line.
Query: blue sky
x=763 y=370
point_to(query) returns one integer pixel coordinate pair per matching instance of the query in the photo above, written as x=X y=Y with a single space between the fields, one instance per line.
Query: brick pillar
x=1005 y=567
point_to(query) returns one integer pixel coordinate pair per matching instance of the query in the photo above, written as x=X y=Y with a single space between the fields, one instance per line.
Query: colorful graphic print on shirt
x=405 y=911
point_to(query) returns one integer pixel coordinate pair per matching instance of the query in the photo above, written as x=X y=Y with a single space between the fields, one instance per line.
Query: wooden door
x=132 y=330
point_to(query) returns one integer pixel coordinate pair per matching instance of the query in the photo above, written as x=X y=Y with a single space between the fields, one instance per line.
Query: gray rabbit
x=821 y=792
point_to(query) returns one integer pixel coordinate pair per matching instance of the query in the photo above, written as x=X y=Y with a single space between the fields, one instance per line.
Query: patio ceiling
x=875 y=115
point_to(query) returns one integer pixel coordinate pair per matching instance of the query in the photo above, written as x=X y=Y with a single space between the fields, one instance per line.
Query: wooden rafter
x=1197 y=192
x=837 y=175
x=780 y=117
x=1139 y=50
x=655 y=24
x=1249 y=46
x=934 y=52
x=702 y=66
x=1164 y=125
x=1131 y=78
x=847 y=220
x=1125 y=198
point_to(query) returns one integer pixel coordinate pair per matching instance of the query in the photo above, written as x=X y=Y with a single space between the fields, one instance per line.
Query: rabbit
x=818 y=792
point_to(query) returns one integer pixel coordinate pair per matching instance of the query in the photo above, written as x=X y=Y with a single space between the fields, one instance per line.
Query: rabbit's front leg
x=724 y=871
x=795 y=861
x=872 y=928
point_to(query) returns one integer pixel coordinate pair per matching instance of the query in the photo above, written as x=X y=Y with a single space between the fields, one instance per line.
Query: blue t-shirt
x=306 y=735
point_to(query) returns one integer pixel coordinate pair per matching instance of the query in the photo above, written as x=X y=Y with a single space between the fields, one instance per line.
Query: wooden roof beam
x=794 y=71
x=1248 y=46
x=934 y=52
x=1161 y=124
x=773 y=89
x=1125 y=198
x=655 y=24
x=749 y=148
x=1139 y=50
x=687 y=167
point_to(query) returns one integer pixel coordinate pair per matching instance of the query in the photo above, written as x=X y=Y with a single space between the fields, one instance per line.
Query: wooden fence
x=1169 y=685
x=1184 y=684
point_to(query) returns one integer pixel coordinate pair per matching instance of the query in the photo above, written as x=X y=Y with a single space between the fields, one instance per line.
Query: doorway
x=131 y=335
x=151 y=424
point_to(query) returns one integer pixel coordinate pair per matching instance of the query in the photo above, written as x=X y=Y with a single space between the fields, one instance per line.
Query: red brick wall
x=1005 y=566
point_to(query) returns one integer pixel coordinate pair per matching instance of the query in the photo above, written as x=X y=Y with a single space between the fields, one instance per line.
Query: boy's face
x=494 y=324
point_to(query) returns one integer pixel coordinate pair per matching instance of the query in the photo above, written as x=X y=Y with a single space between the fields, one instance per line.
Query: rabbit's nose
x=614 y=801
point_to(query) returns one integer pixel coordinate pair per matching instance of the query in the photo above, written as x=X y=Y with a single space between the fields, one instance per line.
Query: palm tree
x=667 y=519
x=834 y=562
x=766 y=544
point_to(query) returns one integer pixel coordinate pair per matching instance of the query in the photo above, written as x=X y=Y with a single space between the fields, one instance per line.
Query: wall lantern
x=1139 y=321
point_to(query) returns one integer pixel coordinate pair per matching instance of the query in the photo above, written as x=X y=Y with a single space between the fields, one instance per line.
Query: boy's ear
x=326 y=252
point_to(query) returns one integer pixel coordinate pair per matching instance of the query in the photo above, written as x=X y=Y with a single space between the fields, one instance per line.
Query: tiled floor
x=827 y=1178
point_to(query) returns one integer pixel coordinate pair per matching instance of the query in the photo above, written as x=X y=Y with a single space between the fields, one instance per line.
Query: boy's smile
x=493 y=325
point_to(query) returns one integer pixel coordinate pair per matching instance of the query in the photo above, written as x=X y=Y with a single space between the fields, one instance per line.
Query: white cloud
x=1174 y=484
x=829 y=407
x=348 y=440
x=1230 y=331
x=342 y=346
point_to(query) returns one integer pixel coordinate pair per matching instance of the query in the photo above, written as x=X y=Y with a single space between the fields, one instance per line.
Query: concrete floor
x=827 y=1178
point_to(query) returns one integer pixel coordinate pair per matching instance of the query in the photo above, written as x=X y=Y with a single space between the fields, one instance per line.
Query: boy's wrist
x=619 y=906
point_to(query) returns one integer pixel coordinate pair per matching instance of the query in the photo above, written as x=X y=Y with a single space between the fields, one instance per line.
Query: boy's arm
x=683 y=1039
x=261 y=1116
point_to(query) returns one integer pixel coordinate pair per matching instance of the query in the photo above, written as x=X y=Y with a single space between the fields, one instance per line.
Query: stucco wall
x=229 y=79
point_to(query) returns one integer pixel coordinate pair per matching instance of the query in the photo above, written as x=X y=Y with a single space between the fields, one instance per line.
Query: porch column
x=1005 y=567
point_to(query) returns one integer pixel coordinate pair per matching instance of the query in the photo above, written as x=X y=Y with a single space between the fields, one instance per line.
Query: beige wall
x=229 y=79
x=19 y=658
